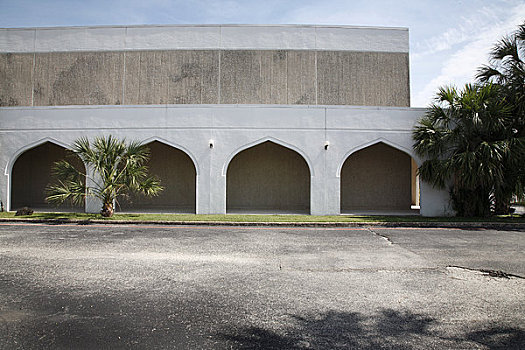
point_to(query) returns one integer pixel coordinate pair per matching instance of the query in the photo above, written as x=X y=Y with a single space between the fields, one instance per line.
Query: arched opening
x=177 y=174
x=379 y=178
x=31 y=173
x=268 y=178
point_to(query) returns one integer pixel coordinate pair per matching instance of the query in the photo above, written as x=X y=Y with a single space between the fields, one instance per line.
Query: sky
x=449 y=39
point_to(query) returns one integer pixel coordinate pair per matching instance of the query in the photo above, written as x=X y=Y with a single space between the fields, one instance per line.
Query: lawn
x=256 y=218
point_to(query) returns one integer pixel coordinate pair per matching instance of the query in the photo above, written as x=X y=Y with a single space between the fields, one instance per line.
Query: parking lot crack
x=386 y=238
x=487 y=272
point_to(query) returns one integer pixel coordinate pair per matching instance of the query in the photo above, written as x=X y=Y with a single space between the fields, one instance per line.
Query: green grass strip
x=260 y=218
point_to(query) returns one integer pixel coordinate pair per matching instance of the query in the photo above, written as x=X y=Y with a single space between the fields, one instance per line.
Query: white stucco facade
x=231 y=129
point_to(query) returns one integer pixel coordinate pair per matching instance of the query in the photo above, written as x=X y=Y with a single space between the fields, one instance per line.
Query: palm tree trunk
x=502 y=205
x=107 y=209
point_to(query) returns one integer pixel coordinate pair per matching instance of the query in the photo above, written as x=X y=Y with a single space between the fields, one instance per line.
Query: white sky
x=449 y=39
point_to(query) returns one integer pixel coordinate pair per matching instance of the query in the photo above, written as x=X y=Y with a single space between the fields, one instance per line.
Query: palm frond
x=435 y=172
x=506 y=48
x=487 y=74
x=67 y=171
x=151 y=186
x=66 y=191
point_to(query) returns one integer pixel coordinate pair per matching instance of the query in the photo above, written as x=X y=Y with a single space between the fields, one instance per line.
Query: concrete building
x=312 y=119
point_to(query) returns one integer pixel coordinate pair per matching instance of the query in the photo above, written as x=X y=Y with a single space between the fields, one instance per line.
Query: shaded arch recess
x=269 y=178
x=377 y=177
x=31 y=173
x=273 y=140
x=177 y=173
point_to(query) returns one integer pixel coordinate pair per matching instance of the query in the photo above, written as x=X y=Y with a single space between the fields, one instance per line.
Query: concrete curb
x=461 y=225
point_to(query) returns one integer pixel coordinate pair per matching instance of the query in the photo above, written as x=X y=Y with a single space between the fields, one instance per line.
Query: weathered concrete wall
x=31 y=175
x=16 y=79
x=363 y=78
x=268 y=177
x=177 y=175
x=174 y=77
x=301 y=67
x=250 y=77
x=377 y=177
x=76 y=78
x=204 y=77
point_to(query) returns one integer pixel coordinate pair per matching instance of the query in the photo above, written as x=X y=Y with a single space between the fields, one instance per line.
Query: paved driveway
x=145 y=287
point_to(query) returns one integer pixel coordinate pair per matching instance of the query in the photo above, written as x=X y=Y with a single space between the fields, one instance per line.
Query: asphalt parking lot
x=174 y=287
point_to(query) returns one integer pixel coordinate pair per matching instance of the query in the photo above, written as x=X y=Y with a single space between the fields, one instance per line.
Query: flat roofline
x=343 y=26
x=204 y=36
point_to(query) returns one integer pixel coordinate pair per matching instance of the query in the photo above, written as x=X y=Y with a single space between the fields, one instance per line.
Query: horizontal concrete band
x=205 y=37
x=228 y=117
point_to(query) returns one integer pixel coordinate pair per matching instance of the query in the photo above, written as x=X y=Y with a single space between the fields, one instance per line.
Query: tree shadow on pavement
x=499 y=338
x=389 y=329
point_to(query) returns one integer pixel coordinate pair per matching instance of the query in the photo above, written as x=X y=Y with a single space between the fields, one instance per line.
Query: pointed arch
x=267 y=139
x=269 y=178
x=14 y=157
x=378 y=175
x=177 y=170
x=371 y=143
x=175 y=145
x=29 y=172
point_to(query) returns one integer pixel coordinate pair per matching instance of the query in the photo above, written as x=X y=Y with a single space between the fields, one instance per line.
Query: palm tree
x=464 y=137
x=507 y=66
x=117 y=169
x=507 y=69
